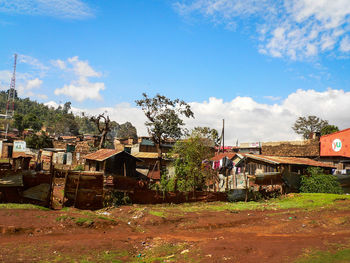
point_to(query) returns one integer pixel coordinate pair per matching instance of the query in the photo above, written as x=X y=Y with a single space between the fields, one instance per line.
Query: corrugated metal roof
x=12 y=181
x=146 y=155
x=101 y=154
x=21 y=154
x=104 y=154
x=288 y=160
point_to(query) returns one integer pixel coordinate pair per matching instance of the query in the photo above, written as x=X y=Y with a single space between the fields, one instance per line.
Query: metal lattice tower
x=10 y=106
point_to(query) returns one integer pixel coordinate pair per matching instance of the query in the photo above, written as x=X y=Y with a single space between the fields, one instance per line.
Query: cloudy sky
x=259 y=64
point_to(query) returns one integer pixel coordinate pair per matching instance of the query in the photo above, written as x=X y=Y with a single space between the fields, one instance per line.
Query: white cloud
x=5 y=77
x=59 y=63
x=26 y=89
x=273 y=98
x=345 y=44
x=81 y=88
x=71 y=9
x=246 y=119
x=296 y=29
x=34 y=62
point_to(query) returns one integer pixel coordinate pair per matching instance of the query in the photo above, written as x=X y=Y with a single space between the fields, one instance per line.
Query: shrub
x=116 y=198
x=79 y=167
x=317 y=182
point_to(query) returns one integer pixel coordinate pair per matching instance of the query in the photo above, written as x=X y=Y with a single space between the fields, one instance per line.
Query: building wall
x=336 y=144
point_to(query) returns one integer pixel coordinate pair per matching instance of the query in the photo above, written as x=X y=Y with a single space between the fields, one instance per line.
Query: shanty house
x=112 y=162
x=224 y=175
x=272 y=170
x=148 y=165
x=21 y=161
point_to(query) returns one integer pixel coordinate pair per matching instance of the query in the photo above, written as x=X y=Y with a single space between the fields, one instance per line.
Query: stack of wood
x=310 y=148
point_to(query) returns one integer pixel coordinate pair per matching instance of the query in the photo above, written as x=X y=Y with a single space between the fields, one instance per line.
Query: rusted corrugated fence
x=84 y=189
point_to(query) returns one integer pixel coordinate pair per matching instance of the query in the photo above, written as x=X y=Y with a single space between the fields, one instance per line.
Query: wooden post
x=226 y=173
x=65 y=187
x=223 y=135
x=76 y=190
x=246 y=181
x=52 y=180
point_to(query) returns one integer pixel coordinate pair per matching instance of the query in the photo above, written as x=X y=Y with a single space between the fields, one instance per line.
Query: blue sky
x=247 y=56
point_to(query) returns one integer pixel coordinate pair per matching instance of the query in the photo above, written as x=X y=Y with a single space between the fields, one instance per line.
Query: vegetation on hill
x=60 y=121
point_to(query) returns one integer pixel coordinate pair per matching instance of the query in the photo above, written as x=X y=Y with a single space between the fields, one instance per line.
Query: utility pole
x=223 y=135
x=10 y=106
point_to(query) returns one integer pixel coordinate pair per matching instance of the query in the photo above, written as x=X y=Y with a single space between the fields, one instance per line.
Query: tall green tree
x=328 y=129
x=127 y=130
x=164 y=119
x=307 y=125
x=25 y=121
x=208 y=134
x=38 y=141
x=189 y=154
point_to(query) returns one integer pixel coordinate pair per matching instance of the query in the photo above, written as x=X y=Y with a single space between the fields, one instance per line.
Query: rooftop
x=101 y=154
x=104 y=154
x=288 y=160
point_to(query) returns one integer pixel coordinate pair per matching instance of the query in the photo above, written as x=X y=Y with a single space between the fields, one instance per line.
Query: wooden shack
x=21 y=161
x=111 y=162
x=262 y=170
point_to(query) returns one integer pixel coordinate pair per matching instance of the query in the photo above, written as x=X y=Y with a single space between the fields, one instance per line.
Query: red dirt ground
x=226 y=236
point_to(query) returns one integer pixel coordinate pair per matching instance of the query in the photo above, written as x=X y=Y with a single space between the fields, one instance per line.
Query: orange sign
x=336 y=144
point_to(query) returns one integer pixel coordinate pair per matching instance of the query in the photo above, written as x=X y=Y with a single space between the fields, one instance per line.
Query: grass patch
x=106 y=218
x=157 y=213
x=22 y=206
x=165 y=253
x=292 y=201
x=64 y=218
x=4 y=160
x=342 y=255
x=82 y=220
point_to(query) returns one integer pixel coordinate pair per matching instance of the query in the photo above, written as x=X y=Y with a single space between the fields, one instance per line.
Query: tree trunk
x=103 y=139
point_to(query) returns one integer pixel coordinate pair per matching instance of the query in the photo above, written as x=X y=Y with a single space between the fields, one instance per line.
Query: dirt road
x=145 y=234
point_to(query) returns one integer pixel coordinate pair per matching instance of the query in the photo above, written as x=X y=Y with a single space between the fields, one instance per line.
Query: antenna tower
x=10 y=106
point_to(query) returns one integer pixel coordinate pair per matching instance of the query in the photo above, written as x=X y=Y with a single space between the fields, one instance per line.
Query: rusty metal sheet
x=101 y=154
x=12 y=181
x=39 y=192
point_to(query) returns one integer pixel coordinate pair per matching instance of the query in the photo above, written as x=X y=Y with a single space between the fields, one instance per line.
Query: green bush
x=79 y=167
x=116 y=198
x=317 y=182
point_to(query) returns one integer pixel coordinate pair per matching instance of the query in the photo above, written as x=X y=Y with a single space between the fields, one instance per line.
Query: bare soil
x=209 y=236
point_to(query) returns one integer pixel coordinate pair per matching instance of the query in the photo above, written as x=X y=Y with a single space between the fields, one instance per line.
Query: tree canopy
x=190 y=174
x=164 y=119
x=38 y=141
x=208 y=135
x=328 y=129
x=164 y=116
x=307 y=125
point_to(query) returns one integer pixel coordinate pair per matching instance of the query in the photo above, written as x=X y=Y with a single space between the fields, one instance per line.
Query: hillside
x=60 y=121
